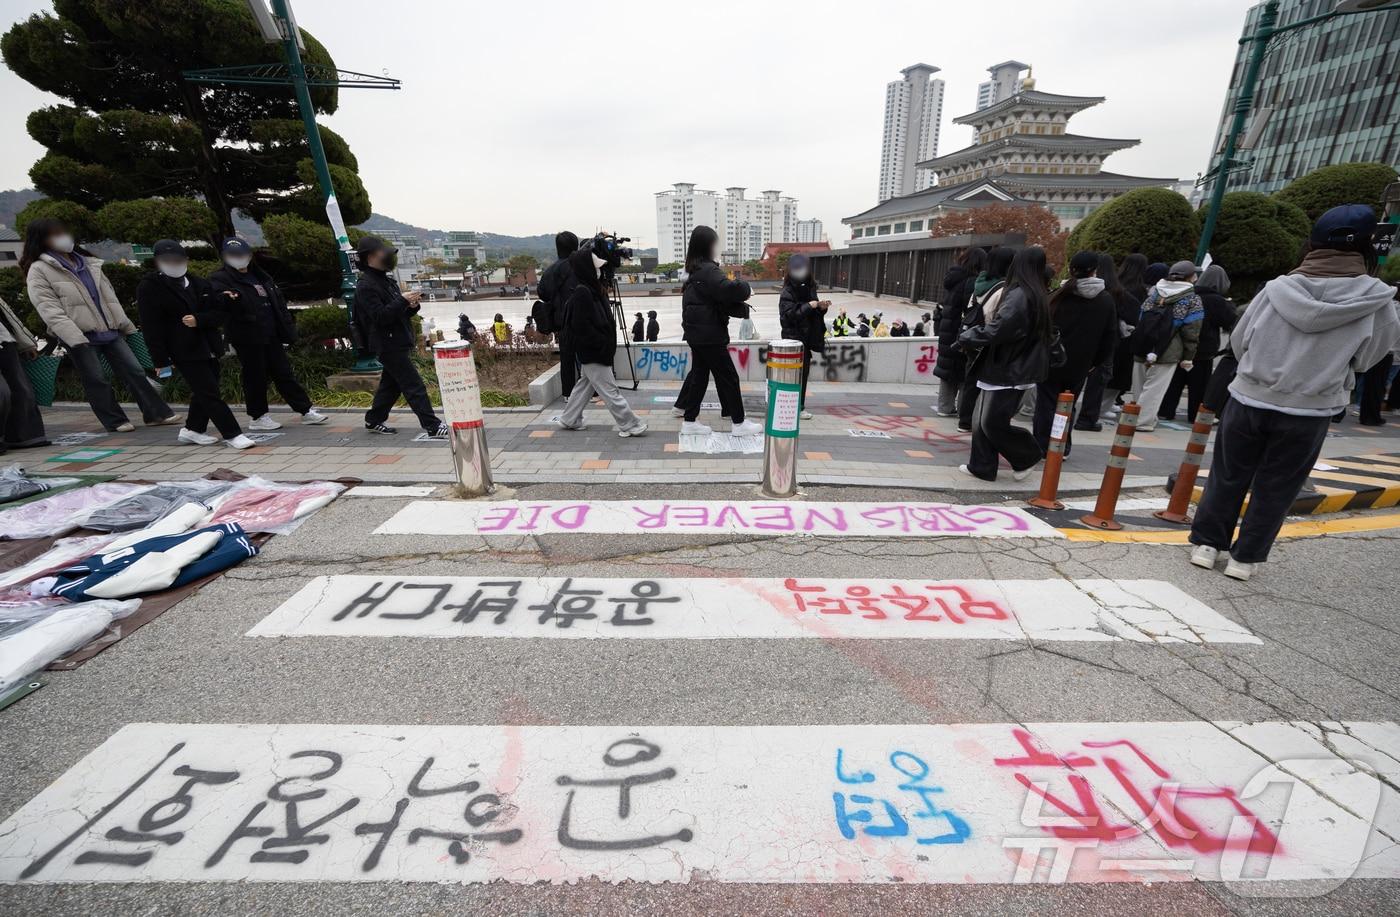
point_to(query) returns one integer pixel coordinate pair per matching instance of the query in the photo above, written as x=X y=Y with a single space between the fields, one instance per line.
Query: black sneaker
x=1095 y=427
x=381 y=428
x=442 y=432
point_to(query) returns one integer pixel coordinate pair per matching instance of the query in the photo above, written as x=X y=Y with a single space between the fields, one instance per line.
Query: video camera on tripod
x=610 y=249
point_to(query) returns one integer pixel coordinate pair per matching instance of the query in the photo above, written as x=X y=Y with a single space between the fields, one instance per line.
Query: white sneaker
x=124 y=427
x=639 y=430
x=747 y=428
x=806 y=415
x=313 y=417
x=1019 y=476
x=695 y=428
x=677 y=412
x=264 y=423
x=1205 y=556
x=191 y=438
x=240 y=442
x=559 y=422
x=1238 y=570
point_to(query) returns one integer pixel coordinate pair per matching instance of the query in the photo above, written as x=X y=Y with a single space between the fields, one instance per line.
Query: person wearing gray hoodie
x=1299 y=345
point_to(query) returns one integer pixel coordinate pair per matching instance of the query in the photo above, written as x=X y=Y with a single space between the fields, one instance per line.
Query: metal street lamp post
x=1244 y=102
x=279 y=25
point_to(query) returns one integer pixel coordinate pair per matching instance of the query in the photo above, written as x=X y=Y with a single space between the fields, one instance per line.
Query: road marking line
x=758 y=517
x=971 y=803
x=390 y=490
x=1306 y=529
x=742 y=608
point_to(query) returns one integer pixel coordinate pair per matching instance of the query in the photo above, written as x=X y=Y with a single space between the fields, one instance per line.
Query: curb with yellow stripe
x=1353 y=482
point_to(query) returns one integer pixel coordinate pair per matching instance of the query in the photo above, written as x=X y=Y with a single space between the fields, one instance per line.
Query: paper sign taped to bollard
x=457 y=382
x=783 y=407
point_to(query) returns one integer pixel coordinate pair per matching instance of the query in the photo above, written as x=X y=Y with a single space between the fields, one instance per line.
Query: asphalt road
x=1323 y=607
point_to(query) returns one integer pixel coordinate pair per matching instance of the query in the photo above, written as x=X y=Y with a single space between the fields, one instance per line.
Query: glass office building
x=1329 y=93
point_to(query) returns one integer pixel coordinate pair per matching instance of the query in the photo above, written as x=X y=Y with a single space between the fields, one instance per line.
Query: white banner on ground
x=731 y=517
x=739 y=608
x=978 y=803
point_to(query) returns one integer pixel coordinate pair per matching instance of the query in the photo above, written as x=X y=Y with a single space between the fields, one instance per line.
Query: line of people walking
x=1154 y=332
x=187 y=322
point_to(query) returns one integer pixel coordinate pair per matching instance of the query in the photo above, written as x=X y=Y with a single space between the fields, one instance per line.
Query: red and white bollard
x=461 y=402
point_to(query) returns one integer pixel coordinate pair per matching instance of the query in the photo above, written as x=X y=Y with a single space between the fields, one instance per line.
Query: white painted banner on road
x=716 y=517
x=981 y=803
x=722 y=608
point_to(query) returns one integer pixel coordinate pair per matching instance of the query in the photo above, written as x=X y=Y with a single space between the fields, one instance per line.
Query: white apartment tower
x=810 y=231
x=744 y=224
x=1005 y=83
x=913 y=110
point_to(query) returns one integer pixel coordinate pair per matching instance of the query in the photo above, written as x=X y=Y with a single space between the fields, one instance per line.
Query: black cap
x=368 y=245
x=168 y=247
x=236 y=246
x=1346 y=226
x=1084 y=263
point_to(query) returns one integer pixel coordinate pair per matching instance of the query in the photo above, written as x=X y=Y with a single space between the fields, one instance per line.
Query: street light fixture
x=278 y=24
x=1244 y=103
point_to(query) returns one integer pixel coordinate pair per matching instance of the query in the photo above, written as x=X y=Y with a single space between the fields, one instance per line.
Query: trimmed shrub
x=1257 y=238
x=1157 y=222
x=1331 y=186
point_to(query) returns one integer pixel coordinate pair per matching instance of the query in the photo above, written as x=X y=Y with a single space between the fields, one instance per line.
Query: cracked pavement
x=1323 y=607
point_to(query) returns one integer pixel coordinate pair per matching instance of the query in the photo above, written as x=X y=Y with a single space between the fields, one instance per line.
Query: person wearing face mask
x=588 y=315
x=708 y=301
x=1085 y=316
x=80 y=308
x=385 y=316
x=181 y=316
x=259 y=325
x=803 y=317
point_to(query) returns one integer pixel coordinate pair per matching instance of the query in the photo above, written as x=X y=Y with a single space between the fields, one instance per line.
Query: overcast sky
x=533 y=116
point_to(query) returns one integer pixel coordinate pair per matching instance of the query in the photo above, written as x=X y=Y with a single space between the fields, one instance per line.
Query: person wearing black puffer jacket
x=556 y=285
x=803 y=317
x=951 y=366
x=1086 y=317
x=708 y=302
x=588 y=318
x=181 y=317
x=1012 y=355
x=385 y=317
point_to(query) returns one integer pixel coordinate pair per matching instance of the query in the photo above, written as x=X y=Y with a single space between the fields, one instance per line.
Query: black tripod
x=615 y=296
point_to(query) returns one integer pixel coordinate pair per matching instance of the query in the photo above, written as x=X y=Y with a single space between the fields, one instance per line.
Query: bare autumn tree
x=1040 y=226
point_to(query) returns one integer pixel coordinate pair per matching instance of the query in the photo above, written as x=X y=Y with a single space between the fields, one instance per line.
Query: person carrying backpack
x=1166 y=334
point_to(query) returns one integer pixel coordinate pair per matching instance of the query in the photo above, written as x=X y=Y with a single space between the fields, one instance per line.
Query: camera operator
x=386 y=317
x=588 y=318
x=556 y=285
x=708 y=301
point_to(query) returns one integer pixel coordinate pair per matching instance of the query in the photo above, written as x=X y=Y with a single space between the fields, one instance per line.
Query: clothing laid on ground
x=16 y=485
x=273 y=508
x=259 y=325
x=708 y=302
x=31 y=639
x=156 y=564
x=140 y=510
x=62 y=512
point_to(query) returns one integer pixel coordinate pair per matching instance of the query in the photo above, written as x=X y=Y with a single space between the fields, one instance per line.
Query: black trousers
x=993 y=435
x=806 y=372
x=1091 y=402
x=1267 y=455
x=263 y=360
x=1047 y=398
x=126 y=368
x=1373 y=391
x=568 y=365
x=967 y=401
x=1218 y=388
x=206 y=403
x=708 y=360
x=400 y=377
x=21 y=424
x=1194 y=383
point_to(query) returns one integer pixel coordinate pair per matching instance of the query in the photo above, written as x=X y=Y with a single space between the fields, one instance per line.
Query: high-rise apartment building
x=1005 y=82
x=744 y=224
x=913 y=110
x=810 y=231
x=1326 y=95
